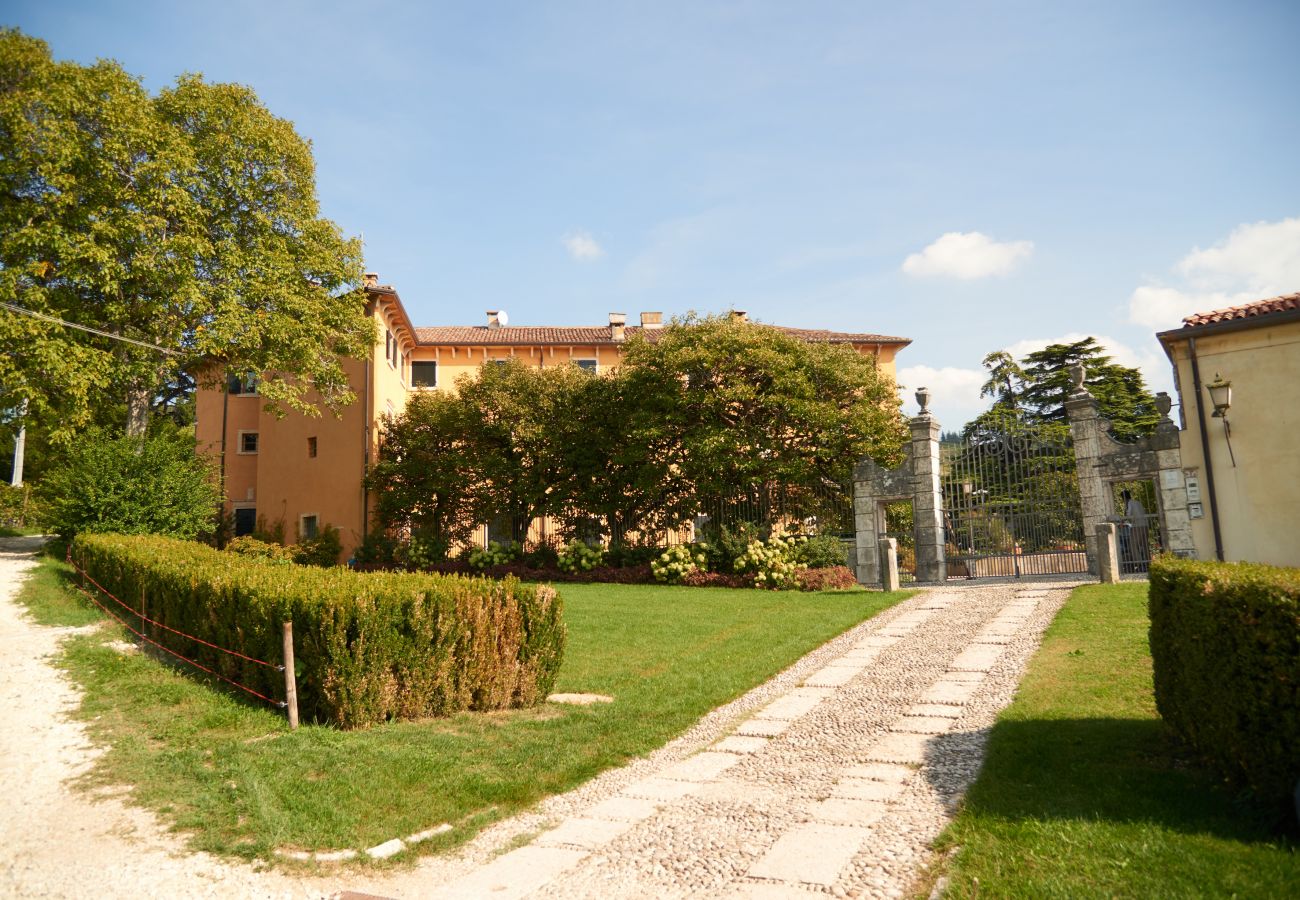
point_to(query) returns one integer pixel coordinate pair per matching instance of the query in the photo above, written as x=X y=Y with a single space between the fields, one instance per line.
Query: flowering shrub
x=773 y=564
x=247 y=545
x=493 y=554
x=675 y=563
x=422 y=554
x=576 y=556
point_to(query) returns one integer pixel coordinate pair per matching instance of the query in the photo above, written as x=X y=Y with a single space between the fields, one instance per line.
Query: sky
x=973 y=176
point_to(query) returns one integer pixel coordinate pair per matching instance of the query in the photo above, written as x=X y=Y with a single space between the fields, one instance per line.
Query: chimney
x=370 y=279
x=652 y=320
x=496 y=318
x=617 y=326
x=740 y=315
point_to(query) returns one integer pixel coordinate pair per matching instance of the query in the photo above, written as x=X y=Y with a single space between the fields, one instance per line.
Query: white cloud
x=1256 y=261
x=582 y=246
x=955 y=392
x=967 y=255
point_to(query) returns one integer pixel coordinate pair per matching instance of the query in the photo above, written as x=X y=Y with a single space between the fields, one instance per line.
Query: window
x=248 y=442
x=245 y=521
x=311 y=447
x=310 y=525
x=498 y=362
x=391 y=351
x=587 y=365
x=424 y=374
x=241 y=385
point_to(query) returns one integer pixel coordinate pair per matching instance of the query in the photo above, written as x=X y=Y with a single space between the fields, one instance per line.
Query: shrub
x=579 y=557
x=493 y=554
x=729 y=543
x=322 y=550
x=378 y=548
x=830 y=578
x=821 y=551
x=1225 y=646
x=129 y=485
x=543 y=556
x=19 y=506
x=675 y=563
x=773 y=564
x=248 y=545
x=369 y=646
x=626 y=555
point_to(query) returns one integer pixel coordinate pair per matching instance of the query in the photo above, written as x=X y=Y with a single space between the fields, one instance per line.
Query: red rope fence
x=281 y=704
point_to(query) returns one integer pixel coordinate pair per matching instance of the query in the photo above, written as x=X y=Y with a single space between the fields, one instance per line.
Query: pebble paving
x=833 y=784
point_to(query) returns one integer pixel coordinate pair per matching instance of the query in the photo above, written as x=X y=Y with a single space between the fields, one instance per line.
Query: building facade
x=301 y=473
x=1241 y=460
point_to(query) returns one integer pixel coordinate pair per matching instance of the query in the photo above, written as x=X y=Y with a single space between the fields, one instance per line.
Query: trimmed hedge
x=369 y=647
x=1225 y=645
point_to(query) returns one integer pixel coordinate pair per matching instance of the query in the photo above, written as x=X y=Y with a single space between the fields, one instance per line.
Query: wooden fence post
x=290 y=682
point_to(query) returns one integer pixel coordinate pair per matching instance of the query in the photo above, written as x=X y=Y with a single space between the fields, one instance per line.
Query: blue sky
x=972 y=176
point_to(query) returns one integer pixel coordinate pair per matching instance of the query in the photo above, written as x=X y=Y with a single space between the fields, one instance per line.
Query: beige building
x=304 y=472
x=1241 y=461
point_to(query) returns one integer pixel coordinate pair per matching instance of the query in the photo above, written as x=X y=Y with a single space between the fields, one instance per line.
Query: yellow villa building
x=305 y=472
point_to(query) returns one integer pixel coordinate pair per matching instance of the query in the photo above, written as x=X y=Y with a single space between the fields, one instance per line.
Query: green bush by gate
x=370 y=647
x=1225 y=645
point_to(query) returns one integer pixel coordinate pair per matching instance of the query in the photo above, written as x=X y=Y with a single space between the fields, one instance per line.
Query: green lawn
x=1084 y=794
x=242 y=783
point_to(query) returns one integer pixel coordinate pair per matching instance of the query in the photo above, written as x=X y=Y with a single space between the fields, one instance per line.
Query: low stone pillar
x=1107 y=553
x=889 y=564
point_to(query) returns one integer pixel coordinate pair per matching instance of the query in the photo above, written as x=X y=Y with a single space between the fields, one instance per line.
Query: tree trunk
x=137 y=409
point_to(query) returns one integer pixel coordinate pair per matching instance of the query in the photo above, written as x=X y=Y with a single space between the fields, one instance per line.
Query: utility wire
x=116 y=337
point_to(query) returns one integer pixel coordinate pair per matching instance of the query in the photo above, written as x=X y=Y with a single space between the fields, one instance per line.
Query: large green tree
x=425 y=481
x=1033 y=392
x=186 y=220
x=743 y=404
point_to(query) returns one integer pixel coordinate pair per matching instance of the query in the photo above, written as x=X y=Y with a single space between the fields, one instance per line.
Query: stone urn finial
x=1077 y=374
x=923 y=400
x=1164 y=404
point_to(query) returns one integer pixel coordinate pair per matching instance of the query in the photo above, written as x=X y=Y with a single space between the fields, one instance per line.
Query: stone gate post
x=1087 y=429
x=927 y=493
x=1171 y=482
x=866 y=524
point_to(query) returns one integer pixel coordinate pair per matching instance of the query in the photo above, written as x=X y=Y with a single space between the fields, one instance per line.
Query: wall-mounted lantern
x=1221 y=397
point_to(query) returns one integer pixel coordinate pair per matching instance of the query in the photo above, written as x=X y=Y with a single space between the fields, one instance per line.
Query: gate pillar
x=871 y=486
x=927 y=494
x=1086 y=429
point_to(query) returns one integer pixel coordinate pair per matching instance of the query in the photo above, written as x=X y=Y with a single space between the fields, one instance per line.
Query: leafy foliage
x=493 y=554
x=579 y=557
x=712 y=408
x=1034 y=390
x=156 y=484
x=372 y=647
x=676 y=563
x=187 y=220
x=1225 y=646
x=774 y=564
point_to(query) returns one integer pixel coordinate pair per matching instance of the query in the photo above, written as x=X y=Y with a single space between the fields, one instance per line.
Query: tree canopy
x=186 y=220
x=711 y=407
x=1034 y=391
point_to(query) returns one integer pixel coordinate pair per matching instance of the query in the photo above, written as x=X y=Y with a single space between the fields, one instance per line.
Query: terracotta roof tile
x=523 y=335
x=1245 y=311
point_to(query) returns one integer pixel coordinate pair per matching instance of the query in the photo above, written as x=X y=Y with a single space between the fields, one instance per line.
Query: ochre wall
x=1259 y=498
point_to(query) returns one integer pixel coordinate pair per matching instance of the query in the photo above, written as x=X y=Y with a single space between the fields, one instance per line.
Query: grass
x=10 y=531
x=1085 y=794
x=234 y=776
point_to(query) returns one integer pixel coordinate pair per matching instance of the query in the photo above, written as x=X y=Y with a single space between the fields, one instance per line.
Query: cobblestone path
x=834 y=781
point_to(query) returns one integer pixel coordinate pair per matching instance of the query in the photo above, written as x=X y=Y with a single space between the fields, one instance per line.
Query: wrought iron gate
x=1011 y=503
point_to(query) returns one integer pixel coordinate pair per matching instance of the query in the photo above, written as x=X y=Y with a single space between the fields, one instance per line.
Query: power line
x=66 y=324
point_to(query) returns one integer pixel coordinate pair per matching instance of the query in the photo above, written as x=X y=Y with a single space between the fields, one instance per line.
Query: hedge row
x=1225 y=644
x=831 y=578
x=369 y=646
